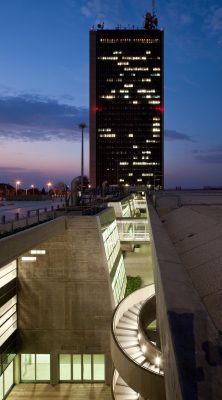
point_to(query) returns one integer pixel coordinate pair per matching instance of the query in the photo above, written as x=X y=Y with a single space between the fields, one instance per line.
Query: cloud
x=213 y=155
x=172 y=135
x=32 y=118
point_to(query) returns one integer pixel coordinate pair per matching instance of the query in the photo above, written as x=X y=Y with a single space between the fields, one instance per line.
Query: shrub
x=133 y=283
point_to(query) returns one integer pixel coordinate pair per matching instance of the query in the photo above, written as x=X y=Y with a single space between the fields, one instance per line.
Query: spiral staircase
x=137 y=359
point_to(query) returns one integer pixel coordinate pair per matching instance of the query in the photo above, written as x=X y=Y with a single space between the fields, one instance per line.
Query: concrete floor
x=64 y=391
x=139 y=262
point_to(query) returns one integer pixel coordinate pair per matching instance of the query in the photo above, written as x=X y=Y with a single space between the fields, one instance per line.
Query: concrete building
x=165 y=337
x=126 y=105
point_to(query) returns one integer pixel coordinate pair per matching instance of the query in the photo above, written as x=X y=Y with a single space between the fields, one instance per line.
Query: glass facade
x=111 y=243
x=82 y=367
x=119 y=282
x=126 y=113
x=35 y=367
x=115 y=260
x=6 y=380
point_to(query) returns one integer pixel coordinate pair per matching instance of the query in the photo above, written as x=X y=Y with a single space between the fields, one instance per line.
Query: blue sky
x=44 y=86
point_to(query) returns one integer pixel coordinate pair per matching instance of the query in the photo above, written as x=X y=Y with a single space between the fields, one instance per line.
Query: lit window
x=130 y=135
x=27 y=259
x=37 y=251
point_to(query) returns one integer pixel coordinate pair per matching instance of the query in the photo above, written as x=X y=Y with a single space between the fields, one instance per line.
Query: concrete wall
x=63 y=300
x=190 y=343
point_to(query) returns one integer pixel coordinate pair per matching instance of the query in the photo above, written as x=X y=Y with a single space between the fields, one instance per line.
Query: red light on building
x=96 y=109
x=160 y=109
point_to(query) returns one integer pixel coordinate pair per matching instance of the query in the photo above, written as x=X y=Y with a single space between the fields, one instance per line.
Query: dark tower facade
x=127 y=105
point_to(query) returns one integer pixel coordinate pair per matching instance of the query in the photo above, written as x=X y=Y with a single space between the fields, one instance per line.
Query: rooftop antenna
x=150 y=19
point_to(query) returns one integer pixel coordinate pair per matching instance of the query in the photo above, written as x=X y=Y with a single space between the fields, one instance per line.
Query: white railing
x=134 y=236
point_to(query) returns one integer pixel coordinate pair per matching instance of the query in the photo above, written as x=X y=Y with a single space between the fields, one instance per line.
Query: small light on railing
x=143 y=348
x=157 y=361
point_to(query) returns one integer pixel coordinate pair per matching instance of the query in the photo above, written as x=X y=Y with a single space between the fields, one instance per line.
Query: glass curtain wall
x=6 y=381
x=35 y=367
x=82 y=367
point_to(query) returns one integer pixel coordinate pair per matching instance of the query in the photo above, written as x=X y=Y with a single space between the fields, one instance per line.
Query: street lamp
x=32 y=187
x=17 y=184
x=82 y=126
x=49 y=184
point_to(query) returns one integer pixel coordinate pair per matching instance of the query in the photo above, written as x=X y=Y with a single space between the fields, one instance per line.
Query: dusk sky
x=44 y=84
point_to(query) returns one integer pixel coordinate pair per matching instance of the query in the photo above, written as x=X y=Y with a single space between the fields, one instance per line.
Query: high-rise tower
x=126 y=105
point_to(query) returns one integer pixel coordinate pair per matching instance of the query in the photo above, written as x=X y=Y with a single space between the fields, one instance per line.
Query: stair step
x=140 y=360
x=134 y=310
x=129 y=339
x=129 y=344
x=128 y=321
x=120 y=389
x=136 y=355
x=133 y=350
x=125 y=332
x=121 y=382
x=125 y=325
x=130 y=315
x=127 y=396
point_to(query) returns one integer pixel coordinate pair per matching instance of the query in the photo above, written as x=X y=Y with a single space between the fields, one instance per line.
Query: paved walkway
x=64 y=391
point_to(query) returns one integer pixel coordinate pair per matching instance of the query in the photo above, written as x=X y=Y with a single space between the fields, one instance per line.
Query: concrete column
x=54 y=369
x=17 y=369
x=108 y=369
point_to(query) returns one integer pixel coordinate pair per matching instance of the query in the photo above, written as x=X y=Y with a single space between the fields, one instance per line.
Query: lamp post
x=49 y=184
x=17 y=184
x=82 y=126
x=32 y=187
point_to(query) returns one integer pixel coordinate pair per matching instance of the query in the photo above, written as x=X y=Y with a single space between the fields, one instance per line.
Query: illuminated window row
x=157 y=74
x=107 y=96
x=134 y=58
x=107 y=58
x=156 y=135
x=136 y=69
x=122 y=40
x=123 y=63
x=156 y=129
x=144 y=163
x=130 y=135
x=128 y=85
x=124 y=91
x=147 y=174
x=156 y=124
x=154 y=102
x=107 y=135
x=156 y=118
x=156 y=69
x=104 y=130
x=151 y=141
x=117 y=52
x=123 y=163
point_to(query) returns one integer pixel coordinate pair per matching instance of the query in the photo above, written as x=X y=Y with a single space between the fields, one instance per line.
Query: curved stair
x=136 y=359
x=121 y=391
